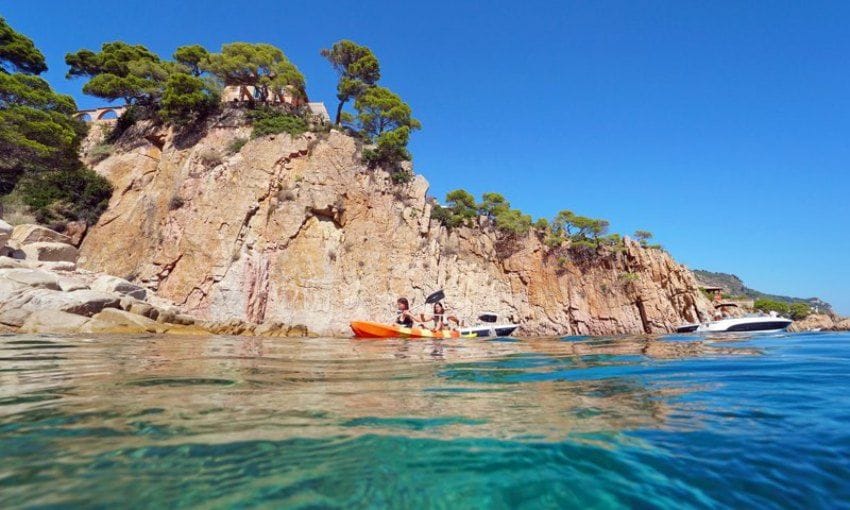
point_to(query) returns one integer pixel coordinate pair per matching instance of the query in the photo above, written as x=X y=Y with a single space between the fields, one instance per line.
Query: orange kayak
x=366 y=329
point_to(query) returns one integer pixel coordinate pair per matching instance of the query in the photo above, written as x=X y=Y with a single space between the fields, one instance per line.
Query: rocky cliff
x=297 y=230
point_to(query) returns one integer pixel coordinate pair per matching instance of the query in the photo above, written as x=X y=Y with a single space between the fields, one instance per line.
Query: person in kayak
x=439 y=320
x=405 y=318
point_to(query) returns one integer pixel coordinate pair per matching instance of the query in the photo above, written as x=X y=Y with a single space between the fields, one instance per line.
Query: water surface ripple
x=221 y=422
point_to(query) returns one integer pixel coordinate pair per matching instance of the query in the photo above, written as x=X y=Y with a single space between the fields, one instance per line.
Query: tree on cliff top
x=192 y=58
x=39 y=139
x=260 y=65
x=18 y=52
x=121 y=70
x=187 y=97
x=643 y=237
x=37 y=131
x=379 y=110
x=387 y=121
x=358 y=70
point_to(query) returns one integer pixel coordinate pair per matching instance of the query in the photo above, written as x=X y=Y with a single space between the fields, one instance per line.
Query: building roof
x=319 y=110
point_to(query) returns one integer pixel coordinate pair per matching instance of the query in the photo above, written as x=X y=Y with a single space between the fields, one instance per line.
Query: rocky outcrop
x=37 y=295
x=297 y=231
x=821 y=322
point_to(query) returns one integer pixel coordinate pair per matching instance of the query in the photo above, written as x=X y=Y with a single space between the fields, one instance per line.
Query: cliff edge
x=297 y=230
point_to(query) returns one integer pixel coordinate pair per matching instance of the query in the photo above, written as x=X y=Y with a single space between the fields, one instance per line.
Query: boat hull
x=490 y=330
x=739 y=325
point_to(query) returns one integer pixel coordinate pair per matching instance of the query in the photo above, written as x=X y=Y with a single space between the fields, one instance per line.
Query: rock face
x=41 y=295
x=297 y=231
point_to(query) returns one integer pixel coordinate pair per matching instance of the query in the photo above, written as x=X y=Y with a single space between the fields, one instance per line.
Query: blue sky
x=722 y=127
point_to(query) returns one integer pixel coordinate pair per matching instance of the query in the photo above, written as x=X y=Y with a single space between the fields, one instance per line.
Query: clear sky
x=722 y=127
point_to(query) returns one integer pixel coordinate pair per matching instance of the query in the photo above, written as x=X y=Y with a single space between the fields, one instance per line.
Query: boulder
x=272 y=328
x=184 y=320
x=23 y=303
x=166 y=316
x=70 y=284
x=28 y=234
x=113 y=320
x=53 y=321
x=842 y=325
x=89 y=302
x=10 y=263
x=62 y=267
x=144 y=309
x=76 y=231
x=5 y=233
x=45 y=251
x=31 y=277
x=298 y=330
x=814 y=322
x=108 y=283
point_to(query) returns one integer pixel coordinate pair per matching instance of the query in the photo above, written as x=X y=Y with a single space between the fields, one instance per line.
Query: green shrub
x=236 y=145
x=769 y=305
x=268 y=121
x=210 y=157
x=100 y=152
x=800 y=311
x=63 y=195
x=390 y=150
x=513 y=222
x=127 y=119
x=542 y=224
x=401 y=176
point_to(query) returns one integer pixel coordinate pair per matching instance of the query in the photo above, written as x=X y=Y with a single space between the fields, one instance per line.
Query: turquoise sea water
x=222 y=422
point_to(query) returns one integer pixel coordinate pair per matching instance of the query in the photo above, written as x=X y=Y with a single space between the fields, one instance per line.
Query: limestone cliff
x=298 y=230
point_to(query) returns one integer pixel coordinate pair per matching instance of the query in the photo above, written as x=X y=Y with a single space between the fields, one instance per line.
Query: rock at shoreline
x=118 y=321
x=89 y=302
x=106 y=283
x=820 y=322
x=53 y=321
x=43 y=292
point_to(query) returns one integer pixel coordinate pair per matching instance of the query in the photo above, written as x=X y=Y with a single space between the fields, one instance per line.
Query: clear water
x=220 y=422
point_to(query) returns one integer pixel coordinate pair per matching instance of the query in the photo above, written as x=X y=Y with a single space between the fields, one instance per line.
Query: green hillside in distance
x=735 y=287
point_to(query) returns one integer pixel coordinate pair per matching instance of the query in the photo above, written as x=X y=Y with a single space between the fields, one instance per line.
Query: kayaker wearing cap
x=405 y=318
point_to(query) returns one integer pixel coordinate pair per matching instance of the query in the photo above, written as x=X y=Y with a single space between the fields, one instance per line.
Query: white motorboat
x=489 y=324
x=763 y=324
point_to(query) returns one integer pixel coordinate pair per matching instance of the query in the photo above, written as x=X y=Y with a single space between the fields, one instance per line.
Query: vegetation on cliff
x=188 y=88
x=797 y=311
x=567 y=236
x=40 y=139
x=383 y=119
x=358 y=69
